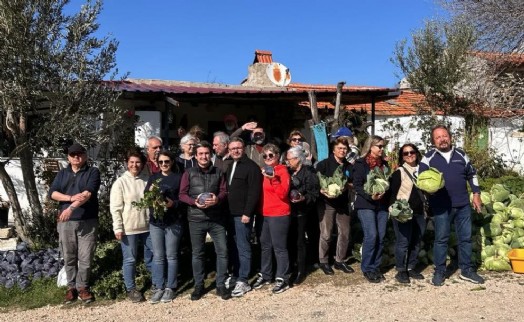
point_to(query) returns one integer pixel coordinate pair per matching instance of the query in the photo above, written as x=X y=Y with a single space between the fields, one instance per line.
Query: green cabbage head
x=430 y=180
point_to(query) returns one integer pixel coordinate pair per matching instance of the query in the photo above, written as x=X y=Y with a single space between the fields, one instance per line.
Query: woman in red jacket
x=275 y=226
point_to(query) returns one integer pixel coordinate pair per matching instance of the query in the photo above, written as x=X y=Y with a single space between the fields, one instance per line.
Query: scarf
x=374 y=162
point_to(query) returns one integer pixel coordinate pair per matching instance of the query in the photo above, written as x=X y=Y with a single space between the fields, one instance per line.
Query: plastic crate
x=516 y=256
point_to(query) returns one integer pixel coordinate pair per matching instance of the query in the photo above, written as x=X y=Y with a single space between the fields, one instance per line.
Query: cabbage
x=334 y=185
x=376 y=181
x=401 y=211
x=518 y=223
x=516 y=213
x=517 y=203
x=430 y=180
x=496 y=264
x=499 y=193
x=499 y=206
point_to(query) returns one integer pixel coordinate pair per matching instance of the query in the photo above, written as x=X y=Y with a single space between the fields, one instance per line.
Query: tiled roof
x=406 y=104
x=263 y=56
x=182 y=87
x=511 y=58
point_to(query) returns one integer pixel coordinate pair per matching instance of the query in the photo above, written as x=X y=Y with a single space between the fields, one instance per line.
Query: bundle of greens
x=334 y=185
x=430 y=180
x=401 y=211
x=153 y=199
x=377 y=181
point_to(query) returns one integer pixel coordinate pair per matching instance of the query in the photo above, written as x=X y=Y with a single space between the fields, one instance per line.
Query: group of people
x=232 y=190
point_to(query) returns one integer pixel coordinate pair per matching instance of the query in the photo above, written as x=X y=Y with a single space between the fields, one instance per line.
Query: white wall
x=508 y=142
x=149 y=124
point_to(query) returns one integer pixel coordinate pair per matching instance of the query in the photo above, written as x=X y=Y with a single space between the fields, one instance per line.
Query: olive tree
x=54 y=77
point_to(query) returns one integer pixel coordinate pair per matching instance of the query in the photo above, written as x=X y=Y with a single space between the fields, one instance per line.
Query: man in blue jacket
x=76 y=190
x=451 y=204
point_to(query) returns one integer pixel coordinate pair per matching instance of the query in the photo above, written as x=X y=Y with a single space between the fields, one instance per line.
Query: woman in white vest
x=408 y=234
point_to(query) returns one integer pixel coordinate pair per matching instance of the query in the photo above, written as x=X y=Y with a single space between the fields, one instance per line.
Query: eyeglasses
x=289 y=159
x=296 y=139
x=380 y=146
x=268 y=156
x=156 y=147
x=236 y=148
x=406 y=153
x=76 y=155
x=164 y=161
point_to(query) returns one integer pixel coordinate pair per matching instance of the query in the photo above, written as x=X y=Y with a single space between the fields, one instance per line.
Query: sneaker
x=85 y=295
x=280 y=285
x=260 y=282
x=223 y=292
x=197 y=294
x=471 y=276
x=156 y=296
x=438 y=279
x=241 y=288
x=380 y=276
x=372 y=277
x=135 y=296
x=168 y=296
x=402 y=277
x=71 y=295
x=415 y=275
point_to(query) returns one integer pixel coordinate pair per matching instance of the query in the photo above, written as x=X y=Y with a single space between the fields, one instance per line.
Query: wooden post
x=313 y=106
x=372 y=115
x=340 y=85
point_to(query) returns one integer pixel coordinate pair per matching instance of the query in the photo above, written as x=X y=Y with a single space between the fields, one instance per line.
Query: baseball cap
x=342 y=131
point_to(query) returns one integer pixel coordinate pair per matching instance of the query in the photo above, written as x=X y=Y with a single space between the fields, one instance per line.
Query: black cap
x=76 y=148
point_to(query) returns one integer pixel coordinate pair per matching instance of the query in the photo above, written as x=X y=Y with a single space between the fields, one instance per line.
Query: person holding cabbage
x=409 y=230
x=333 y=207
x=371 y=184
x=444 y=173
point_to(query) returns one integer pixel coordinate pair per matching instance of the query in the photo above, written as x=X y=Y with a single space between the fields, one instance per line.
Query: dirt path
x=322 y=298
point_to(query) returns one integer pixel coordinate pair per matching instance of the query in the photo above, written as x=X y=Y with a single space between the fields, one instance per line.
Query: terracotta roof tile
x=263 y=56
x=511 y=58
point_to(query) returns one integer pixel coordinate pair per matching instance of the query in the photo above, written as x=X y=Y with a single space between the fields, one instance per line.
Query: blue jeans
x=408 y=236
x=198 y=232
x=274 y=237
x=165 y=241
x=374 y=227
x=239 y=236
x=442 y=219
x=129 y=245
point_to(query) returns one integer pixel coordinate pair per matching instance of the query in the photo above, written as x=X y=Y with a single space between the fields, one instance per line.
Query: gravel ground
x=321 y=298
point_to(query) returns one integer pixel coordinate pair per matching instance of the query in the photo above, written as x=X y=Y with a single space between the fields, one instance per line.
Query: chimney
x=257 y=72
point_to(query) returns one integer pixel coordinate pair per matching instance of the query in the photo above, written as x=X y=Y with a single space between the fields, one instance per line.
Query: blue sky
x=321 y=42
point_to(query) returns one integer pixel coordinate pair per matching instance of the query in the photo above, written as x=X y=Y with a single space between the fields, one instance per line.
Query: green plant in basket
x=153 y=199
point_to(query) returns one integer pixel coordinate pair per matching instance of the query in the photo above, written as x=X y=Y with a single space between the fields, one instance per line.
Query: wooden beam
x=340 y=85
x=373 y=115
x=313 y=106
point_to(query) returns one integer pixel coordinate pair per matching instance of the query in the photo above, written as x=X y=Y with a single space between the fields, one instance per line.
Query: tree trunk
x=18 y=216
x=28 y=173
x=336 y=122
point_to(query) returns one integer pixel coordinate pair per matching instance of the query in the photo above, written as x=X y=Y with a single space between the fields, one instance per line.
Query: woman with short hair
x=186 y=159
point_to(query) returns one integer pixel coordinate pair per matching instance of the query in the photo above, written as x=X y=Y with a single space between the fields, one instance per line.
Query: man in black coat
x=244 y=182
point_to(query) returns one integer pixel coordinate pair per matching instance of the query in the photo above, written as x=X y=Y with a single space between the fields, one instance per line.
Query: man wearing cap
x=346 y=133
x=258 y=139
x=76 y=190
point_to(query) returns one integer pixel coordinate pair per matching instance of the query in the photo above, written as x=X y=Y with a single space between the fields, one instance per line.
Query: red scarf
x=374 y=162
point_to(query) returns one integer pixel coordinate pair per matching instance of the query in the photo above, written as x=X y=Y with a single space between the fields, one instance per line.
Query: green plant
x=512 y=182
x=41 y=293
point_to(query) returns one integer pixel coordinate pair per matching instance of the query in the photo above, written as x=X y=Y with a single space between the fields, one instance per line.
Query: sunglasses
x=76 y=155
x=406 y=153
x=268 y=156
x=164 y=161
x=380 y=146
x=296 y=139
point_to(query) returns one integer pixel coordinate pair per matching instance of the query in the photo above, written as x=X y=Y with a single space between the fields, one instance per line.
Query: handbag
x=423 y=197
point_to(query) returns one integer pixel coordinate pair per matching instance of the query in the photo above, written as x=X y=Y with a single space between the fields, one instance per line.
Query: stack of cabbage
x=334 y=185
x=377 y=181
x=503 y=227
